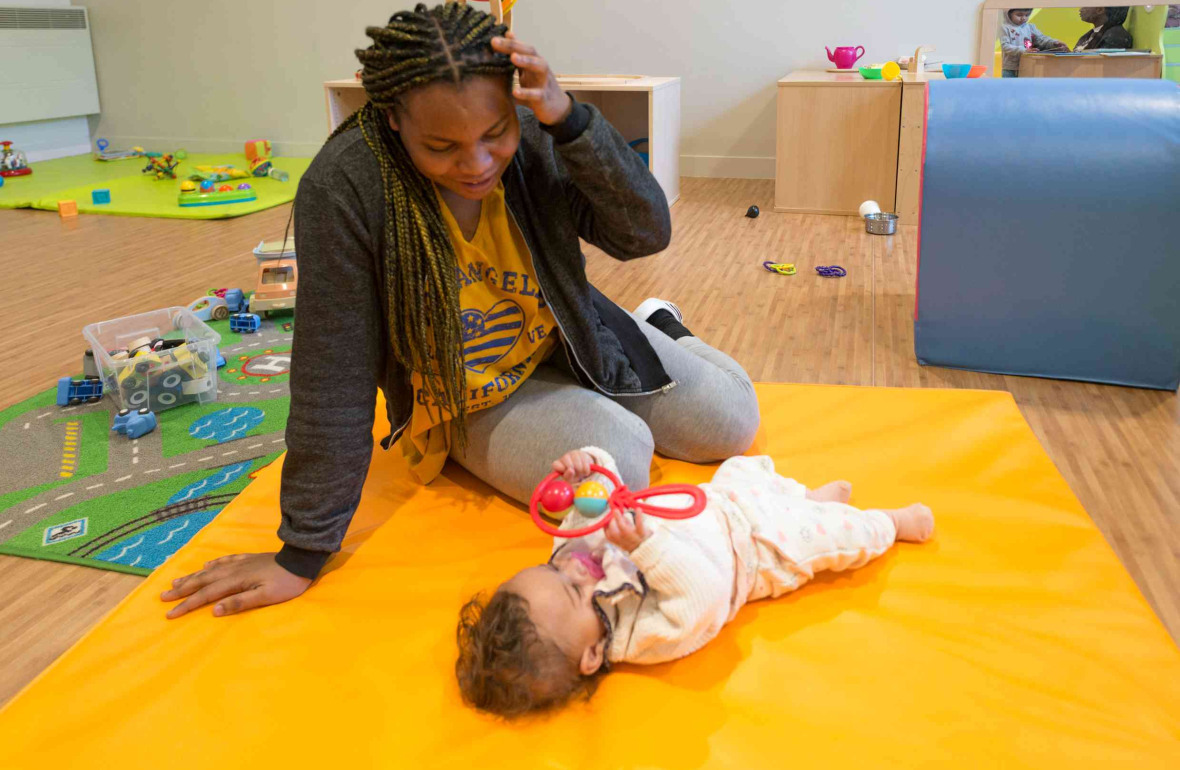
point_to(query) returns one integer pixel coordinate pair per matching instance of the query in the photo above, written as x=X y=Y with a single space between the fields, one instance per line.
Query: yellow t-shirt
x=507 y=329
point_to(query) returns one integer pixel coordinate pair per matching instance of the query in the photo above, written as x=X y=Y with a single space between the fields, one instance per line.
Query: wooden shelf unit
x=637 y=105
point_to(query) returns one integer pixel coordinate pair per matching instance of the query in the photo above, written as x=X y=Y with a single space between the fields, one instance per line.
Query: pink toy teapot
x=846 y=56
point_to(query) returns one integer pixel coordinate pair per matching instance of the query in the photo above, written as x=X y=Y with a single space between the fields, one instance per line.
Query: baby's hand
x=573 y=466
x=626 y=532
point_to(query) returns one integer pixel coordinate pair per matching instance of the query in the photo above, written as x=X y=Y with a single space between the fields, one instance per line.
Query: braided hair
x=448 y=43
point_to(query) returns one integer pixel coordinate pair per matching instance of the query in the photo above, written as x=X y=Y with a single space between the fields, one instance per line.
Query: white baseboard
x=727 y=167
x=36 y=156
x=221 y=146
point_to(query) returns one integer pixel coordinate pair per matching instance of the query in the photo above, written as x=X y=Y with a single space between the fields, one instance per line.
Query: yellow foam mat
x=1015 y=639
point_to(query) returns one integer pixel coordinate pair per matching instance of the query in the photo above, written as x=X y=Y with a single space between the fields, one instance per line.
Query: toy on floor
x=208 y=195
x=591 y=499
x=277 y=282
x=881 y=223
x=66 y=209
x=831 y=271
x=244 y=323
x=258 y=157
x=100 y=197
x=134 y=424
x=782 y=268
x=275 y=249
x=72 y=392
x=162 y=165
x=103 y=154
x=753 y=212
x=13 y=162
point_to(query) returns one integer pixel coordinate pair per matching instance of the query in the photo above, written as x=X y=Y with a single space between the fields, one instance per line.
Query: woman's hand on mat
x=626 y=531
x=237 y=583
x=573 y=466
x=538 y=89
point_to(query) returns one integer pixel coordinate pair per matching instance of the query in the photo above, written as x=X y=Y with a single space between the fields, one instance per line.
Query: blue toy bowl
x=956 y=70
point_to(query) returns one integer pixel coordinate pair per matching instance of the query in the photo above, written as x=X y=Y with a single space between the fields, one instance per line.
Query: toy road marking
x=135 y=461
x=63 y=497
x=274 y=390
x=35 y=507
x=227 y=454
x=153 y=470
x=69 y=451
x=278 y=441
x=26 y=426
x=254 y=446
x=44 y=415
x=203 y=459
x=5 y=524
x=170 y=467
x=123 y=478
x=254 y=393
x=94 y=486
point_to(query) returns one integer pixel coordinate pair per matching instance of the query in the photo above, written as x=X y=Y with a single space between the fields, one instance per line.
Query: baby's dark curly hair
x=506 y=667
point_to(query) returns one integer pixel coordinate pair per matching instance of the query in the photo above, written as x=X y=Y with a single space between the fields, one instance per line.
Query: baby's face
x=1018 y=17
x=561 y=600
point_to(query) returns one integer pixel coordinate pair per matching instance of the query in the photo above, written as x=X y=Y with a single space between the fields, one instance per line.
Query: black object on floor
x=753 y=212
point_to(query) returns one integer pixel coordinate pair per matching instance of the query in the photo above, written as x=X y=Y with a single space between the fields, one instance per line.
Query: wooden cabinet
x=1094 y=65
x=639 y=107
x=842 y=140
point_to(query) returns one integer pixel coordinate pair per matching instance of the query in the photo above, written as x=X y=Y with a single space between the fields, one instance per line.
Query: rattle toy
x=831 y=271
x=555 y=496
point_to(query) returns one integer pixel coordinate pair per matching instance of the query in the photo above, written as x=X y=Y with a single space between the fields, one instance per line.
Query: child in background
x=646 y=590
x=1018 y=37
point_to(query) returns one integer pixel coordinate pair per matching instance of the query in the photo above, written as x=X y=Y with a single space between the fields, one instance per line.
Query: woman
x=437 y=234
x=1108 y=29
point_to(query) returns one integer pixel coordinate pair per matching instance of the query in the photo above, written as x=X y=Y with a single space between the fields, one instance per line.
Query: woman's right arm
x=335 y=364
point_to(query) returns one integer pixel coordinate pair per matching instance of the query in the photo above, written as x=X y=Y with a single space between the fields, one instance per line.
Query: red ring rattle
x=620 y=500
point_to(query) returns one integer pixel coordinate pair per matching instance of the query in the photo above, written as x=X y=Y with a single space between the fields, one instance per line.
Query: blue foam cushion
x=1050 y=230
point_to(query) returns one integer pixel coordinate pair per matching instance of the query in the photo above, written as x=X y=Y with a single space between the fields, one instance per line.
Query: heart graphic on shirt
x=488 y=337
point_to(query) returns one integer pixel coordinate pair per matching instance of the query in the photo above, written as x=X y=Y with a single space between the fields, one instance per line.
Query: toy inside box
x=158 y=360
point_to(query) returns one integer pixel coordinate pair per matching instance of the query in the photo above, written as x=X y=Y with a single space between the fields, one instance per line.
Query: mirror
x=1060 y=40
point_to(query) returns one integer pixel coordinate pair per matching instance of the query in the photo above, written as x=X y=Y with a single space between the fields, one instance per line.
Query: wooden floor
x=1119 y=448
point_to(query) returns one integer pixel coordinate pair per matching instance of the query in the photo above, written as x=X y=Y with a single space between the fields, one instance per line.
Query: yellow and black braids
x=448 y=42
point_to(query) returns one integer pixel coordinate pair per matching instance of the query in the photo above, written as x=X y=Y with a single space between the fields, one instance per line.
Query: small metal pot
x=881 y=224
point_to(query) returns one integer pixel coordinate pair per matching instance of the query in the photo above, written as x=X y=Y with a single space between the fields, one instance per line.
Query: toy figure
x=13 y=162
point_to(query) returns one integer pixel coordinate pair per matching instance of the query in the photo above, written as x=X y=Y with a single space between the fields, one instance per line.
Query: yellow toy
x=591 y=498
x=258 y=156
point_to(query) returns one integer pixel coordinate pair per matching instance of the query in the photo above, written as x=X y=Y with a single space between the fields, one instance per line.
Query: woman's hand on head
x=236 y=583
x=573 y=466
x=538 y=89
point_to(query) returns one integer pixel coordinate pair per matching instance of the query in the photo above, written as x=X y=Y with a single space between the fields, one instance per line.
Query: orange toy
x=66 y=209
x=258 y=153
x=1014 y=639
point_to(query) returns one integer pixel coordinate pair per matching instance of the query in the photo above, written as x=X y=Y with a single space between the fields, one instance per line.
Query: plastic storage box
x=160 y=359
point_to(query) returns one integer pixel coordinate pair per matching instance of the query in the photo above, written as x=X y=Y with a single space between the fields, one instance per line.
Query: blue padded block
x=1050 y=231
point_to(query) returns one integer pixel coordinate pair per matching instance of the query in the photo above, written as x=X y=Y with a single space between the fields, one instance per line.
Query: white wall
x=209 y=75
x=47 y=139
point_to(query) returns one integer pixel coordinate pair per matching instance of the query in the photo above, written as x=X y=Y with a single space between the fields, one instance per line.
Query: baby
x=648 y=590
x=1018 y=36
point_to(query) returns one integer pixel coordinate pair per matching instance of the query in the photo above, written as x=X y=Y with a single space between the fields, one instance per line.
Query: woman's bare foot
x=832 y=492
x=915 y=523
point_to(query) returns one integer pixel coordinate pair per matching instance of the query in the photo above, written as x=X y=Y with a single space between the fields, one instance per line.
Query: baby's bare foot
x=915 y=523
x=832 y=492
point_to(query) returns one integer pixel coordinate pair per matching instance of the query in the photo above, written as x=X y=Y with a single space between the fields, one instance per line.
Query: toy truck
x=73 y=392
x=244 y=323
x=277 y=279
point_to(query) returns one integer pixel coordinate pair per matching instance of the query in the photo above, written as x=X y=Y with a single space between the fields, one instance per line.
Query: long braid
x=449 y=42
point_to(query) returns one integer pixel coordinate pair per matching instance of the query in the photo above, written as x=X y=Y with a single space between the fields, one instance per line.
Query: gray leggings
x=710 y=415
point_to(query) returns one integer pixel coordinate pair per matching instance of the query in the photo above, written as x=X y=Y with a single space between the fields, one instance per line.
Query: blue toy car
x=134 y=424
x=74 y=392
x=220 y=360
x=244 y=323
x=236 y=301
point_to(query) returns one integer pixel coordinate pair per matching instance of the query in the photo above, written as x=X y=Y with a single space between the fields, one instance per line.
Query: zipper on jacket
x=565 y=337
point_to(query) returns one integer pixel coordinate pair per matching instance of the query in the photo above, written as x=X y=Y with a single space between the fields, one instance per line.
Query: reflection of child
x=648 y=590
x=1018 y=36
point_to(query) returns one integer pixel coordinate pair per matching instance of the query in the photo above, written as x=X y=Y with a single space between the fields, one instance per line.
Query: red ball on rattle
x=557 y=496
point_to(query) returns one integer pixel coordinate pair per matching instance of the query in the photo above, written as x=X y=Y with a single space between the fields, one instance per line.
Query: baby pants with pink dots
x=793 y=538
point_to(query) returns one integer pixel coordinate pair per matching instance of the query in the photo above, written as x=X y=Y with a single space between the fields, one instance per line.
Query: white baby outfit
x=757 y=537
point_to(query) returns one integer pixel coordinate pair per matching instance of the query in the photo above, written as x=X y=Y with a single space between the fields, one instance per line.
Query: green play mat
x=137 y=194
